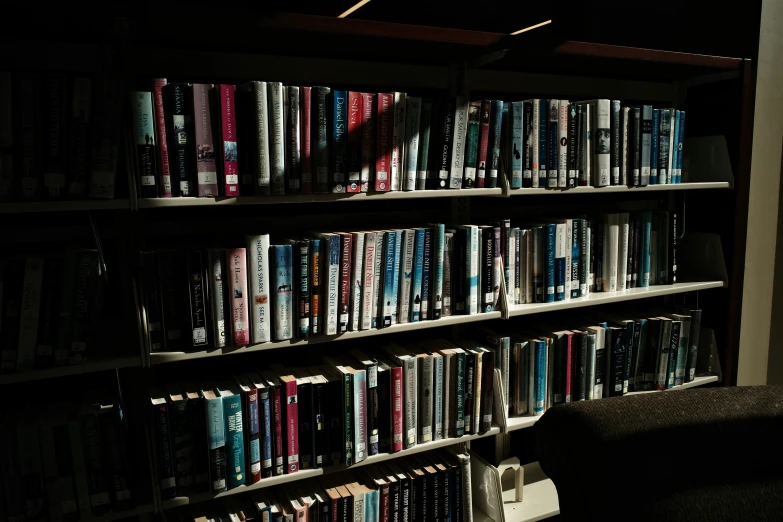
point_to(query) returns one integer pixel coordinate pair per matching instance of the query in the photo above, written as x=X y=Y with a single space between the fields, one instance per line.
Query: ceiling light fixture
x=354 y=8
x=530 y=28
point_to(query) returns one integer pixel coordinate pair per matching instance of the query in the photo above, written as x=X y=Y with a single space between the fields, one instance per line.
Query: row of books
x=266 y=138
x=430 y=486
x=561 y=144
x=564 y=259
x=328 y=284
x=58 y=136
x=51 y=309
x=66 y=462
x=597 y=357
x=221 y=435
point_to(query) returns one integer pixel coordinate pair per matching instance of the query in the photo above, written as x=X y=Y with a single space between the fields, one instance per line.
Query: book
x=204 y=145
x=562 y=140
x=237 y=263
x=305 y=140
x=28 y=314
x=472 y=144
x=144 y=137
x=654 y=146
x=217 y=439
x=293 y=147
x=383 y=146
x=321 y=134
x=331 y=247
x=290 y=422
x=339 y=164
x=282 y=277
x=683 y=348
x=277 y=138
x=495 y=133
x=425 y=174
x=197 y=299
x=316 y=325
x=635 y=147
x=516 y=144
x=357 y=280
x=27 y=113
x=179 y=109
x=406 y=275
x=235 y=442
x=527 y=144
x=459 y=144
x=354 y=142
x=265 y=423
x=577 y=229
x=483 y=143
x=227 y=140
x=611 y=245
x=258 y=259
x=616 y=146
x=444 y=143
x=646 y=142
x=368 y=140
x=368 y=295
x=680 y=140
x=573 y=123
x=623 y=247
x=693 y=343
x=552 y=143
x=302 y=266
x=346 y=284
x=416 y=293
x=664 y=143
x=164 y=169
x=409 y=172
x=166 y=472
x=624 y=165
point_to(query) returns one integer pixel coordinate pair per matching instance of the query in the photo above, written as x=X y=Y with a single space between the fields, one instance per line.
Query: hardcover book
x=412 y=124
x=197 y=294
x=277 y=157
x=160 y=136
x=423 y=166
x=144 y=137
x=206 y=171
x=235 y=443
x=368 y=140
x=321 y=134
x=258 y=248
x=483 y=143
x=293 y=170
x=217 y=440
x=303 y=290
x=357 y=277
x=179 y=108
x=283 y=308
x=237 y=262
x=654 y=146
x=516 y=143
x=552 y=143
x=562 y=139
x=383 y=147
x=316 y=305
x=398 y=140
x=460 y=133
x=354 y=142
x=646 y=138
x=346 y=285
x=416 y=301
x=445 y=144
x=616 y=138
x=472 y=144
x=228 y=139
x=495 y=132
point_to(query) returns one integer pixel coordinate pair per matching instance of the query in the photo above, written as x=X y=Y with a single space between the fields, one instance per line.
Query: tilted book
x=237 y=263
x=206 y=171
x=282 y=278
x=160 y=136
x=258 y=258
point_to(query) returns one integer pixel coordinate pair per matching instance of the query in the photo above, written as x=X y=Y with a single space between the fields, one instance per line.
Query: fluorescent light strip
x=529 y=28
x=354 y=8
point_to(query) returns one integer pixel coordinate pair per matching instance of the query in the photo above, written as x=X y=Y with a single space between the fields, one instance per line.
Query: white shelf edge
x=309 y=473
x=518 y=423
x=315 y=198
x=21 y=207
x=598 y=298
x=621 y=188
x=167 y=357
x=71 y=369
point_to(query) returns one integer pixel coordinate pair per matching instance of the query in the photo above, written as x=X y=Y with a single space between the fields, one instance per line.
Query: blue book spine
x=656 y=122
x=339 y=139
x=680 y=139
x=549 y=262
x=266 y=423
x=390 y=242
x=543 y=120
x=439 y=231
x=253 y=438
x=516 y=145
x=426 y=276
x=334 y=285
x=505 y=115
x=576 y=249
x=217 y=444
x=418 y=273
x=398 y=254
x=644 y=262
x=675 y=144
x=552 y=144
x=283 y=315
x=540 y=377
x=235 y=446
x=371 y=506
x=473 y=270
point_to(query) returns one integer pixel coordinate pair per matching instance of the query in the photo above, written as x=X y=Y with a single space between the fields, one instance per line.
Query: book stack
x=58 y=136
x=51 y=309
x=596 y=357
x=327 y=284
x=563 y=259
x=219 y=435
x=551 y=143
x=431 y=486
x=265 y=138
x=66 y=461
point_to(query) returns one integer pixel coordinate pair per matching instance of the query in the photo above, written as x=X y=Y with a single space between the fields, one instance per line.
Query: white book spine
x=360 y=419
x=368 y=280
x=458 y=150
x=263 y=136
x=276 y=138
x=536 y=138
x=624 y=159
x=28 y=314
x=560 y=253
x=376 y=290
x=512 y=290
x=602 y=141
x=529 y=290
x=412 y=118
x=562 y=147
x=406 y=276
x=398 y=264
x=622 y=261
x=584 y=289
x=477 y=394
x=438 y=380
x=611 y=236
x=333 y=287
x=410 y=375
x=425 y=399
x=568 y=235
x=258 y=273
x=357 y=281
x=474 y=269
x=398 y=139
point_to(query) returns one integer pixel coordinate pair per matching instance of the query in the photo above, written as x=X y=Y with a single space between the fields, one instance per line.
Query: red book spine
x=307 y=152
x=396 y=409
x=278 y=412
x=368 y=139
x=383 y=510
x=237 y=262
x=346 y=256
x=228 y=147
x=384 y=124
x=160 y=131
x=292 y=426
x=335 y=511
x=486 y=107
x=569 y=367
x=253 y=432
x=354 y=142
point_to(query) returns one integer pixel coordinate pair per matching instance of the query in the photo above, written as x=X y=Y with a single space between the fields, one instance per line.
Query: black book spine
x=418 y=498
x=580 y=374
x=347 y=514
x=493 y=151
x=675 y=342
x=293 y=148
x=405 y=506
x=336 y=419
x=561 y=345
x=198 y=421
x=395 y=498
x=598 y=254
x=573 y=121
x=443 y=164
x=373 y=410
x=445 y=507
x=616 y=142
x=54 y=142
x=115 y=443
x=527 y=149
x=631 y=239
x=628 y=338
x=470 y=372
x=459 y=512
x=172 y=295
x=637 y=146
x=487 y=267
x=693 y=348
x=179 y=111
x=636 y=358
x=247 y=141
x=321 y=131
x=433 y=502
x=487 y=390
x=166 y=473
x=27 y=137
x=47 y=315
x=95 y=464
x=609 y=340
x=152 y=301
x=384 y=412
x=198 y=312
x=650 y=363
x=303 y=294
x=458 y=281
x=320 y=423
x=304 y=393
x=183 y=449
x=600 y=355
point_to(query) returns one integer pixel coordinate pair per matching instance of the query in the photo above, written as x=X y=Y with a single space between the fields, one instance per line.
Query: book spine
x=405 y=276
x=292 y=426
x=427 y=275
x=636 y=146
x=425 y=174
x=292 y=128
x=228 y=152
x=283 y=308
x=680 y=140
x=373 y=409
x=415 y=301
x=410 y=393
x=360 y=416
x=29 y=139
x=258 y=248
x=28 y=313
x=425 y=399
x=483 y=143
x=206 y=171
x=460 y=399
x=315 y=287
x=166 y=473
x=552 y=143
x=445 y=143
x=646 y=144
x=386 y=292
x=368 y=140
x=603 y=143
x=377 y=288
x=217 y=444
x=383 y=158
x=654 y=147
x=624 y=166
x=235 y=446
x=516 y=144
x=321 y=126
x=266 y=426
x=487 y=391
x=397 y=405
x=160 y=136
x=561 y=240
x=346 y=258
x=412 y=124
x=683 y=349
x=495 y=133
x=693 y=345
x=573 y=174
x=399 y=257
x=436 y=267
x=576 y=258
x=461 y=272
x=303 y=292
x=356 y=281
x=487 y=268
x=527 y=144
x=472 y=144
x=348 y=418
x=398 y=140
x=368 y=278
x=354 y=142
x=562 y=143
x=144 y=133
x=460 y=142
x=277 y=401
x=237 y=260
x=333 y=286
x=671 y=371
x=664 y=134
x=305 y=140
x=644 y=262
x=438 y=404
x=339 y=141
x=448 y=269
x=470 y=386
x=550 y=242
x=616 y=147
x=181 y=106
x=197 y=296
x=277 y=137
x=622 y=257
x=473 y=266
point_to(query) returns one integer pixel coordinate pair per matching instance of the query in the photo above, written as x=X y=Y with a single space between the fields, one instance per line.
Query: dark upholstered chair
x=709 y=454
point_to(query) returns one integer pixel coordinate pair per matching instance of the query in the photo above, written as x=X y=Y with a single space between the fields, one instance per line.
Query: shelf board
x=539 y=497
x=518 y=423
x=599 y=298
x=21 y=207
x=316 y=198
x=71 y=369
x=647 y=55
x=167 y=357
x=143 y=509
x=309 y=473
x=622 y=188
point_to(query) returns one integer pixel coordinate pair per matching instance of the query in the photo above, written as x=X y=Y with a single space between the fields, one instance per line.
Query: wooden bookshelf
x=71 y=369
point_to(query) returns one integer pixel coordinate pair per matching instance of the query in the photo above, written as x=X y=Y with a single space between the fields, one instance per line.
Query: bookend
x=486 y=487
x=706 y=158
x=700 y=258
x=708 y=362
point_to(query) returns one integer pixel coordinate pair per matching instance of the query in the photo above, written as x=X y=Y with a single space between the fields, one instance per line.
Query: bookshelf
x=539 y=499
x=73 y=369
x=64 y=206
